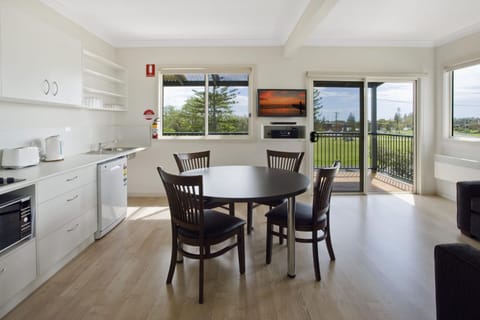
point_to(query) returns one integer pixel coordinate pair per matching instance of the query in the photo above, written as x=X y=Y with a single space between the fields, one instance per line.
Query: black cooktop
x=9 y=180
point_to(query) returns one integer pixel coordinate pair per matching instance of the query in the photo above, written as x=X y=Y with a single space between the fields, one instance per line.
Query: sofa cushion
x=475 y=204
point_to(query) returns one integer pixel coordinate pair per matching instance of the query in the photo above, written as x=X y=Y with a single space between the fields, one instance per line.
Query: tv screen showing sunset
x=274 y=102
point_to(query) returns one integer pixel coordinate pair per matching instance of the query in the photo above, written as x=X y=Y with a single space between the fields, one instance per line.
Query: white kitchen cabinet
x=66 y=216
x=58 y=243
x=55 y=213
x=104 y=83
x=52 y=187
x=18 y=268
x=39 y=62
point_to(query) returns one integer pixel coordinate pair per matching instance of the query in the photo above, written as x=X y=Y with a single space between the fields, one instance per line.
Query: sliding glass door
x=373 y=137
x=338 y=131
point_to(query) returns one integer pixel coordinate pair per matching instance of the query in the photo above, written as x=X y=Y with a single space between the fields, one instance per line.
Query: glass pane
x=466 y=102
x=183 y=104
x=228 y=104
x=337 y=109
x=390 y=134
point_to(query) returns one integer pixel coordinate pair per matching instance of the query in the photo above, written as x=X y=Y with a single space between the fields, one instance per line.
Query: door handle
x=73 y=228
x=55 y=88
x=71 y=179
x=73 y=198
x=46 y=86
x=313 y=136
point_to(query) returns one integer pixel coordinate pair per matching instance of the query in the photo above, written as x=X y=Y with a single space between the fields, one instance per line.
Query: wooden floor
x=384 y=269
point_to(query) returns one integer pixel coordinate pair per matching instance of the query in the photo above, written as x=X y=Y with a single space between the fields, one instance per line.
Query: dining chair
x=198 y=160
x=196 y=226
x=278 y=160
x=312 y=218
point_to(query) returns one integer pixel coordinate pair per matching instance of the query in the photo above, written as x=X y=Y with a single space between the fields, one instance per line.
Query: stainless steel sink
x=111 y=150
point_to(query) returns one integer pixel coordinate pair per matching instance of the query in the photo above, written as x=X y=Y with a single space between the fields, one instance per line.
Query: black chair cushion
x=303 y=215
x=216 y=224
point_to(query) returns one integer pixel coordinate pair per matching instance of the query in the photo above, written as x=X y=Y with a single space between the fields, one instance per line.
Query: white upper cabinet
x=38 y=62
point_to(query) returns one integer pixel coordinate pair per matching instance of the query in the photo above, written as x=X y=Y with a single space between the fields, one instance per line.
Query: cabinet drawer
x=52 y=187
x=54 y=213
x=55 y=246
x=17 y=269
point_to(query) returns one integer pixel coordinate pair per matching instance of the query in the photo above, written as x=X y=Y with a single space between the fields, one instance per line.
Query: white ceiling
x=127 y=23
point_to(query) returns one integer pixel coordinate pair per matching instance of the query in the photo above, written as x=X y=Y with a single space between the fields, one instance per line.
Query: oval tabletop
x=250 y=183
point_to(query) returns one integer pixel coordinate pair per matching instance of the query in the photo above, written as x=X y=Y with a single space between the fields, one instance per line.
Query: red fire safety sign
x=148 y=114
x=150 y=70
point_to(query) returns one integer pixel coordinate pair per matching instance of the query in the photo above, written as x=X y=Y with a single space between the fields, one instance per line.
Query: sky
x=391 y=98
x=467 y=92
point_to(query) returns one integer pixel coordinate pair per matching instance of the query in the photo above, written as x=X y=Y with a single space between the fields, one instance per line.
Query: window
x=187 y=109
x=465 y=91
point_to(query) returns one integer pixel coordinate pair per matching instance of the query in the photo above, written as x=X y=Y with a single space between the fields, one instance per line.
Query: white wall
x=272 y=70
x=23 y=123
x=449 y=54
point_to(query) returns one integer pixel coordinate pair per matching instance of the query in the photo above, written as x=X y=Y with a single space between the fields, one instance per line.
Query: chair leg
x=316 y=263
x=249 y=217
x=241 y=250
x=231 y=208
x=173 y=259
x=328 y=241
x=280 y=239
x=179 y=253
x=268 y=258
x=200 y=278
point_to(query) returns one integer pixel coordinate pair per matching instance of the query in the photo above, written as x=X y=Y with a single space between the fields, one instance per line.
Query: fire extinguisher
x=155 y=128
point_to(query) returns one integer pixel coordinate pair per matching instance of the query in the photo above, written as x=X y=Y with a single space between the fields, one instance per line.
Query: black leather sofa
x=468 y=208
x=457 y=282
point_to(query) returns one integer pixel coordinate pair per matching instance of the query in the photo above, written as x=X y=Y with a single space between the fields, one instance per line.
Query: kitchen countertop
x=49 y=169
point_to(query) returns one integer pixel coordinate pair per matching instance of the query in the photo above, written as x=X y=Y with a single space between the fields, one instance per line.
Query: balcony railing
x=391 y=154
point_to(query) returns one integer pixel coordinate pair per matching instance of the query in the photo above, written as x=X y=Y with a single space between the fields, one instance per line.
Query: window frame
x=206 y=71
x=448 y=96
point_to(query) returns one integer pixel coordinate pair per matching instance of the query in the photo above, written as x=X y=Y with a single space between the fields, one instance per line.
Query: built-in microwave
x=15 y=221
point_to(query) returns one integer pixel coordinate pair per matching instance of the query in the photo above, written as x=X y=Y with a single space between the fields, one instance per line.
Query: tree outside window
x=185 y=102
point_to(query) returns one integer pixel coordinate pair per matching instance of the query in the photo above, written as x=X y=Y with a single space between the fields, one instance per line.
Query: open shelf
x=283 y=131
x=104 y=83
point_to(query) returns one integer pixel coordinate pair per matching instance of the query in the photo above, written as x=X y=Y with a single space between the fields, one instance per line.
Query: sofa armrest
x=457 y=282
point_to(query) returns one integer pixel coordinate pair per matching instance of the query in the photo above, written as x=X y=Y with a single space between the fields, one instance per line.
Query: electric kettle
x=53 y=148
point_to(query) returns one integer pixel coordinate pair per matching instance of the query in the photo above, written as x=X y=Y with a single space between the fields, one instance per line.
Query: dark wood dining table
x=256 y=184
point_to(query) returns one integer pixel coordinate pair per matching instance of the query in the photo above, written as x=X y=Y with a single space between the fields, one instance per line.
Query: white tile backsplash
x=75 y=139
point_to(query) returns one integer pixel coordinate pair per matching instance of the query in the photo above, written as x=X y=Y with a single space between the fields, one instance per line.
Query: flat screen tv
x=282 y=102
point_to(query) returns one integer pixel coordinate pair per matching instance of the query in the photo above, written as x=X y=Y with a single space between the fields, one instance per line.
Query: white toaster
x=20 y=157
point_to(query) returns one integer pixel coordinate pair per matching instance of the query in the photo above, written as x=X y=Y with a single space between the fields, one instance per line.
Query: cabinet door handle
x=73 y=228
x=71 y=179
x=73 y=198
x=55 y=88
x=46 y=86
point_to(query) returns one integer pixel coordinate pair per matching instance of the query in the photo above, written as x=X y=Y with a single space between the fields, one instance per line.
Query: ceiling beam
x=314 y=13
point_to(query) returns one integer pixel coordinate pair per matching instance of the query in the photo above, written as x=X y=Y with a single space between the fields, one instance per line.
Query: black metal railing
x=391 y=154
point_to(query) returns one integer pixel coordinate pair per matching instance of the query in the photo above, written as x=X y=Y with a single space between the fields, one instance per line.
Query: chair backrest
x=192 y=160
x=185 y=199
x=322 y=190
x=284 y=160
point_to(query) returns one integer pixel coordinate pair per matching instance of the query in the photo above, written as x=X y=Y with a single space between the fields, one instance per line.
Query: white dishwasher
x=112 y=194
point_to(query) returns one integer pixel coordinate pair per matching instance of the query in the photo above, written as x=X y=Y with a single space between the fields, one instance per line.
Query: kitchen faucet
x=102 y=145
